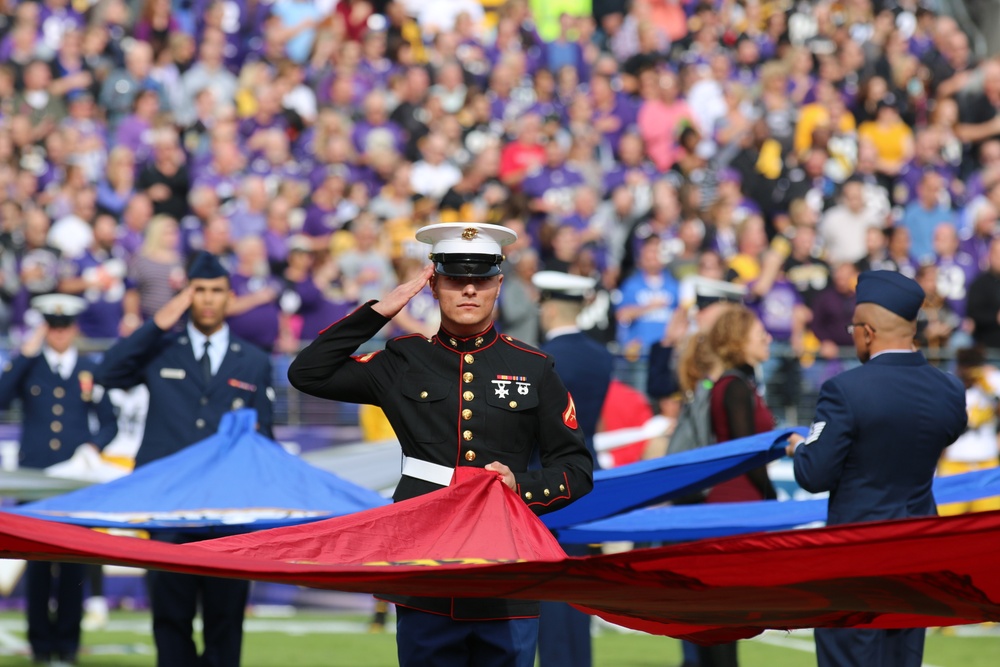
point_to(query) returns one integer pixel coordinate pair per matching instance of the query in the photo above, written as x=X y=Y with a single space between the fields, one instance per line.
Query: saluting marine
x=467 y=396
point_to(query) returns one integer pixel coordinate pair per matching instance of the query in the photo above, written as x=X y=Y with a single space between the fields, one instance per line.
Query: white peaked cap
x=466 y=238
x=557 y=284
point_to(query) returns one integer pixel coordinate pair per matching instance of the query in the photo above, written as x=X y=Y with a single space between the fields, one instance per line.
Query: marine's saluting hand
x=397 y=299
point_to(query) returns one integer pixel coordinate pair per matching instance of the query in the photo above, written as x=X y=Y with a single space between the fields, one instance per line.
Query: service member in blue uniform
x=467 y=396
x=194 y=376
x=59 y=400
x=878 y=434
x=585 y=366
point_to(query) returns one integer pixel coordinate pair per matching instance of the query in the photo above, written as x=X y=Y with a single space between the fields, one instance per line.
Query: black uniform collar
x=480 y=341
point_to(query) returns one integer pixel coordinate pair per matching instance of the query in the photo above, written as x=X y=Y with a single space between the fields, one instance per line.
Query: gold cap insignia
x=470 y=233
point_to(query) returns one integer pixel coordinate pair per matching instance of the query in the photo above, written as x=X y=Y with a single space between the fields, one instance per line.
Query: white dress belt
x=427 y=471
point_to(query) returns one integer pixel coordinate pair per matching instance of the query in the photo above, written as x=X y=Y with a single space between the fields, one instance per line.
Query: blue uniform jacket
x=879 y=431
x=585 y=367
x=57 y=412
x=182 y=408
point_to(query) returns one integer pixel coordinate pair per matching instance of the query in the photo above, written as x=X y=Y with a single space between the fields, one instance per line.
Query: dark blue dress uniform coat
x=586 y=367
x=183 y=409
x=458 y=402
x=878 y=434
x=57 y=412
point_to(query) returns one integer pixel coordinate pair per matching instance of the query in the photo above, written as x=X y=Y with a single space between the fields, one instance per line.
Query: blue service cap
x=891 y=290
x=206 y=265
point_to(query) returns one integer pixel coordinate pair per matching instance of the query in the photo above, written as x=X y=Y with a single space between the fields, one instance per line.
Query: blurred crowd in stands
x=781 y=145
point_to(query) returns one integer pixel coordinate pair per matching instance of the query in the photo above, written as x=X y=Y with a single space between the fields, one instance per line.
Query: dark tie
x=206 y=363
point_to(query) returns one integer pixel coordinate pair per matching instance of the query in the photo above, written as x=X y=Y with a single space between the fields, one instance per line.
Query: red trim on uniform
x=364 y=358
x=510 y=341
x=412 y=335
x=568 y=494
x=475 y=351
x=366 y=303
x=458 y=417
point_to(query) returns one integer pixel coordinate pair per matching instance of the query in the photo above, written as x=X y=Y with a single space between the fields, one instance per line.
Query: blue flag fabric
x=696 y=522
x=234 y=481
x=648 y=482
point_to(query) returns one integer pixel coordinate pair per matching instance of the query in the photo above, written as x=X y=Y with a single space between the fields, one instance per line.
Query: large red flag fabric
x=477 y=538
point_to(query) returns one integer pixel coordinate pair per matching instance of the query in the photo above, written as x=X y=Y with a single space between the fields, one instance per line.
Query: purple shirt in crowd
x=259 y=325
x=776 y=309
x=389 y=132
x=104 y=307
x=832 y=313
x=317 y=311
x=955 y=274
x=615 y=178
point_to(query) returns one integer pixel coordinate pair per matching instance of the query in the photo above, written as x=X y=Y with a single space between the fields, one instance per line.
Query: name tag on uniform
x=172 y=373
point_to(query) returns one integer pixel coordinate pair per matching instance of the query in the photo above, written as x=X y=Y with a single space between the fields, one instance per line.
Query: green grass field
x=338 y=640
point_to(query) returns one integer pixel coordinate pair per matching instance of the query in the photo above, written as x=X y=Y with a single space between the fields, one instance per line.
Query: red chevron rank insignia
x=569 y=414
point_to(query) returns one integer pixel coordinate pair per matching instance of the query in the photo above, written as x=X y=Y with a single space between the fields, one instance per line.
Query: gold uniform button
x=527 y=495
x=54 y=444
x=200 y=423
x=467 y=377
x=468 y=396
x=59 y=392
x=513 y=404
x=467 y=435
x=467 y=414
x=423 y=394
x=547 y=493
x=469 y=358
x=36 y=390
x=562 y=487
x=470 y=456
x=56 y=427
x=57 y=410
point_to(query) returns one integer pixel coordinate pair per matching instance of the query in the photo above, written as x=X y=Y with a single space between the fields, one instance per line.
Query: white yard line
x=12 y=629
x=10 y=642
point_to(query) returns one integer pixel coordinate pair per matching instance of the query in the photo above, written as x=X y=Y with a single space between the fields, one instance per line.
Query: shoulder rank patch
x=569 y=414
x=365 y=358
x=814 y=432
